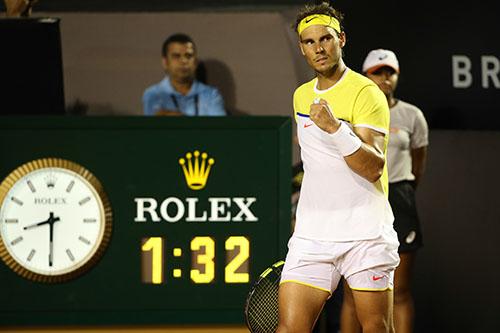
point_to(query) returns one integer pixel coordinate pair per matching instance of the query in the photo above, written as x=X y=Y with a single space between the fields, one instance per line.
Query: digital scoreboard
x=136 y=220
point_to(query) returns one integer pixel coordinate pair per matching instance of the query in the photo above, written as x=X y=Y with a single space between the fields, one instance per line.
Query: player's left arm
x=369 y=160
x=371 y=125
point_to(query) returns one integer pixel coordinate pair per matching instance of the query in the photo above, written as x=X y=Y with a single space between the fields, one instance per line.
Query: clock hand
x=51 y=219
x=51 y=222
x=37 y=224
x=51 y=243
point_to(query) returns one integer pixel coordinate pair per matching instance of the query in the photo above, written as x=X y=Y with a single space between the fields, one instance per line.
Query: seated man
x=179 y=93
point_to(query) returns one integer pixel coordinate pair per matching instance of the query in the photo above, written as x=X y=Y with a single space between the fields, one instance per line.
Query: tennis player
x=344 y=220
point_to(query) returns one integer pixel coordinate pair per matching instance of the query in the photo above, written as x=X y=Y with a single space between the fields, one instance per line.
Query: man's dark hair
x=323 y=8
x=175 y=38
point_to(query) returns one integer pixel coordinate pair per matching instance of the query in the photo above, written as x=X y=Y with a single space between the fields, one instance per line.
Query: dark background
x=455 y=279
x=25 y=87
x=160 y=5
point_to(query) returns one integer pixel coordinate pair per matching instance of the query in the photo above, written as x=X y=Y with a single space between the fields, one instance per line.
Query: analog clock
x=55 y=220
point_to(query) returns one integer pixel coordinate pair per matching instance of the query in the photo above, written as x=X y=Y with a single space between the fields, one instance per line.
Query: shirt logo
x=307 y=125
x=376 y=278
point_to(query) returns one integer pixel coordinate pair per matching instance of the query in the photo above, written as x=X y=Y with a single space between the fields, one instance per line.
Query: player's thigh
x=373 y=305
x=299 y=306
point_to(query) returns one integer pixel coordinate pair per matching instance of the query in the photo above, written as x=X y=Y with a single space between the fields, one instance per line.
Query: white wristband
x=345 y=140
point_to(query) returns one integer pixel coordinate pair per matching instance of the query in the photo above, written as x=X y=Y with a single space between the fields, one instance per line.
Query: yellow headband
x=318 y=19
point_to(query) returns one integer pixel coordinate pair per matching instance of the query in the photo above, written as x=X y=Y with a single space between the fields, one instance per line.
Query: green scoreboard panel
x=136 y=220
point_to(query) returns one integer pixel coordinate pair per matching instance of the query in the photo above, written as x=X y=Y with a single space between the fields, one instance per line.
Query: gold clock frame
x=106 y=215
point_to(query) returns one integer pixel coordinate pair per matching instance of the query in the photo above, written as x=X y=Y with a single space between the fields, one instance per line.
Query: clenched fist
x=321 y=114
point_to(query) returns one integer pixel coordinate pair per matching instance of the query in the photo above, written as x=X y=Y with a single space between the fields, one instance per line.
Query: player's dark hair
x=175 y=38
x=322 y=8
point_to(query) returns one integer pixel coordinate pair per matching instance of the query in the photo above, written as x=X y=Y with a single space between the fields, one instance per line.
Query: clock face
x=55 y=220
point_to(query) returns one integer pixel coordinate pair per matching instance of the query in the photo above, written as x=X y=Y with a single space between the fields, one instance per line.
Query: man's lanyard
x=196 y=107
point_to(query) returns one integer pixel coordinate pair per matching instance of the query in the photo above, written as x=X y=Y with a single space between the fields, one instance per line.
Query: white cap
x=380 y=58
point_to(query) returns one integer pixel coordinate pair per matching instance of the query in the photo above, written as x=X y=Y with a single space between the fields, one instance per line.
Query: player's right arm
x=363 y=148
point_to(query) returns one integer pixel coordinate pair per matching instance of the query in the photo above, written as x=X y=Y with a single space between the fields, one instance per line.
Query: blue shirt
x=202 y=100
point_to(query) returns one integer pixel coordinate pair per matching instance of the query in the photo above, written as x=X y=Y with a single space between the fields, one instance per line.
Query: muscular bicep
x=372 y=138
x=368 y=161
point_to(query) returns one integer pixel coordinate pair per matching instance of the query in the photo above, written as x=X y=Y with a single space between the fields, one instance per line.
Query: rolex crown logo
x=196 y=169
x=50 y=181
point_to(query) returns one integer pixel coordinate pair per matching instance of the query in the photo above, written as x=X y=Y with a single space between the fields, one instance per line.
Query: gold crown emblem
x=50 y=180
x=196 y=172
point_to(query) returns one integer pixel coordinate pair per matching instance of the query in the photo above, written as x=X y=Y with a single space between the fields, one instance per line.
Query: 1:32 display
x=154 y=259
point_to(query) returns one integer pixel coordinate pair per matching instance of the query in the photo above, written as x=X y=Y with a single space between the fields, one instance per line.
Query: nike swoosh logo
x=312 y=18
x=307 y=125
x=382 y=57
x=376 y=278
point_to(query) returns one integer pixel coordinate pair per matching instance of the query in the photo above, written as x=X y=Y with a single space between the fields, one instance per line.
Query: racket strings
x=262 y=310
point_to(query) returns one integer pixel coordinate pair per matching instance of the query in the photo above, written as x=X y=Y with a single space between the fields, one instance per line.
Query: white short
x=366 y=265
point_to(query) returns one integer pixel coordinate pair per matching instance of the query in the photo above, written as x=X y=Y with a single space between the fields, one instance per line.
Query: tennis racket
x=261 y=308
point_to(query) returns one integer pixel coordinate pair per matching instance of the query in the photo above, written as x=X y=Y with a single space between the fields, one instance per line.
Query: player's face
x=386 y=78
x=180 y=62
x=322 y=47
